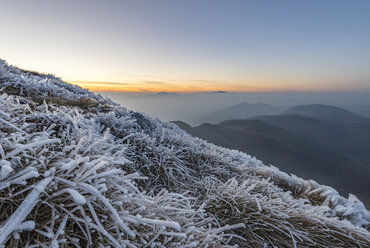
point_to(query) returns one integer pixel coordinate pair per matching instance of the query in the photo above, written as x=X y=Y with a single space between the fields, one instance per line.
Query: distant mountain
x=322 y=111
x=163 y=93
x=326 y=143
x=218 y=91
x=343 y=132
x=239 y=111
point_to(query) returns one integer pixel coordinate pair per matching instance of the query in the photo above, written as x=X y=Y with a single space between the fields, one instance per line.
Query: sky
x=192 y=45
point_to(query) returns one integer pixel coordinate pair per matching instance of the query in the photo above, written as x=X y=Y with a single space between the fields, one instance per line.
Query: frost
x=170 y=224
x=115 y=216
x=14 y=221
x=26 y=226
x=76 y=196
x=5 y=170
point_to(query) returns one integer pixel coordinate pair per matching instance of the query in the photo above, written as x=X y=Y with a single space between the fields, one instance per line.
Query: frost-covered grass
x=77 y=170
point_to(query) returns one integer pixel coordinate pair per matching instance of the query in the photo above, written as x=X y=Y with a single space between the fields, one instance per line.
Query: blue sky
x=192 y=45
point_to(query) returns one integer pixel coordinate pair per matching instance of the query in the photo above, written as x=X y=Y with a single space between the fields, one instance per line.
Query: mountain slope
x=290 y=152
x=239 y=111
x=79 y=170
x=325 y=112
x=349 y=137
x=363 y=110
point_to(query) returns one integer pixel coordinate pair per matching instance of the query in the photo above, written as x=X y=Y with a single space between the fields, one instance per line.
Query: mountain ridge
x=239 y=111
x=322 y=111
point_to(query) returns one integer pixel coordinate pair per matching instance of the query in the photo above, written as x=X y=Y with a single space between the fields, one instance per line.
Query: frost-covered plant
x=62 y=176
x=78 y=173
x=272 y=218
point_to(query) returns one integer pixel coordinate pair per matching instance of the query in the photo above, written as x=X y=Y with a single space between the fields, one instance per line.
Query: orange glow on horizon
x=162 y=82
x=191 y=87
x=185 y=88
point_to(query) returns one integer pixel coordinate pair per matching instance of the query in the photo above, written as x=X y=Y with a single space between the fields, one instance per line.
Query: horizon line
x=139 y=89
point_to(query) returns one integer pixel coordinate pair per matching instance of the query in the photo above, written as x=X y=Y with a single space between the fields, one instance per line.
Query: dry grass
x=82 y=103
x=269 y=223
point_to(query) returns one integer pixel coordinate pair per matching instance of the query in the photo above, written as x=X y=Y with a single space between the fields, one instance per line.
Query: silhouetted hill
x=329 y=148
x=274 y=145
x=252 y=109
x=322 y=111
x=351 y=138
x=239 y=111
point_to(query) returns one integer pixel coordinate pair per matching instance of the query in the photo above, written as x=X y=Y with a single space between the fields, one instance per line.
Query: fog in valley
x=195 y=108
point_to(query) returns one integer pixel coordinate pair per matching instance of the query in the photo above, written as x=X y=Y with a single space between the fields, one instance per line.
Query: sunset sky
x=192 y=45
